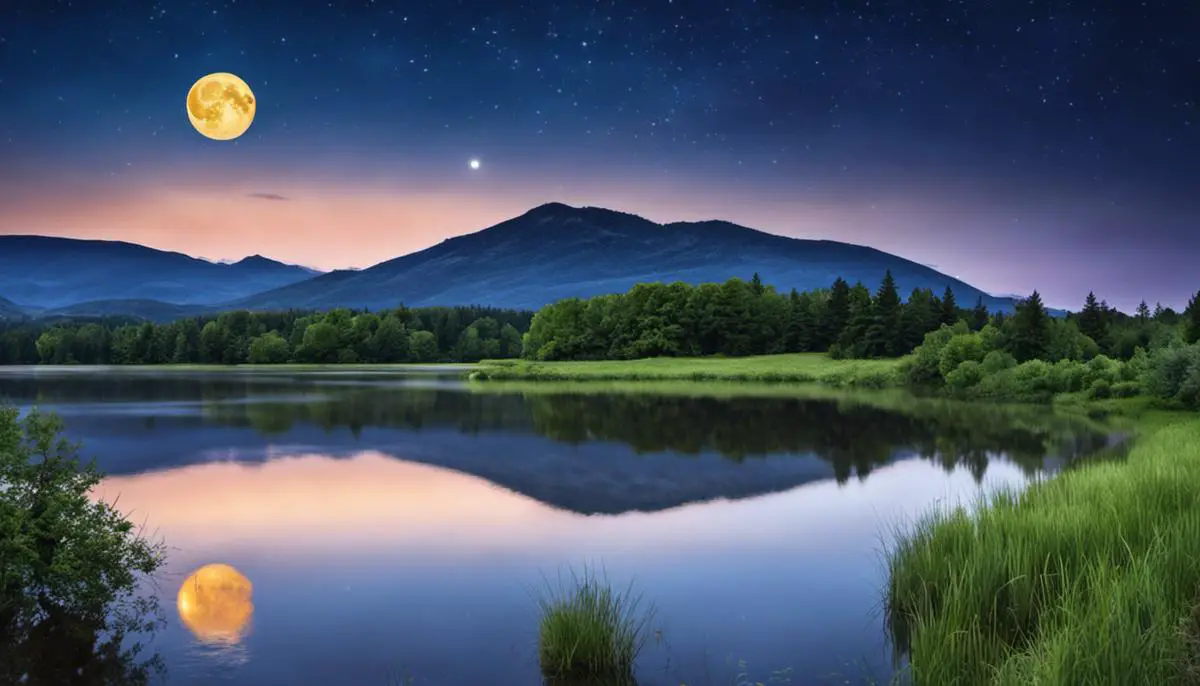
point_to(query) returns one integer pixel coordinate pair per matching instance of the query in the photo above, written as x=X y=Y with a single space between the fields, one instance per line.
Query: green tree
x=510 y=341
x=949 y=307
x=884 y=337
x=1091 y=319
x=424 y=346
x=321 y=344
x=837 y=314
x=1028 y=334
x=979 y=315
x=1143 y=312
x=269 y=348
x=1191 y=319
x=212 y=343
x=70 y=566
x=390 y=343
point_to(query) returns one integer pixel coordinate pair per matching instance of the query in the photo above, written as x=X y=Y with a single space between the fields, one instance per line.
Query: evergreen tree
x=756 y=285
x=917 y=318
x=1091 y=319
x=837 y=313
x=949 y=307
x=852 y=342
x=1191 y=319
x=1143 y=312
x=798 y=334
x=979 y=315
x=1030 y=329
x=884 y=336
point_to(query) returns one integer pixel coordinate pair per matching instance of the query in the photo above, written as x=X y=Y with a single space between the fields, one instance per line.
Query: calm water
x=403 y=525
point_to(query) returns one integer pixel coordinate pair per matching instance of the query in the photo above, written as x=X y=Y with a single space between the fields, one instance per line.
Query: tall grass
x=1087 y=578
x=796 y=367
x=590 y=633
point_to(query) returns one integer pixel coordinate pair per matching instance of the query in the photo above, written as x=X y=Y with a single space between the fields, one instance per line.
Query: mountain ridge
x=515 y=264
x=47 y=272
x=551 y=251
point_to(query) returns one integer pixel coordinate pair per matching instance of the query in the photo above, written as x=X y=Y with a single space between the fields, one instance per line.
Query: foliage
x=1081 y=579
x=736 y=318
x=69 y=566
x=436 y=334
x=590 y=633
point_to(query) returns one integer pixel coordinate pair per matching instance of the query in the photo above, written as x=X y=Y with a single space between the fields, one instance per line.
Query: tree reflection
x=854 y=437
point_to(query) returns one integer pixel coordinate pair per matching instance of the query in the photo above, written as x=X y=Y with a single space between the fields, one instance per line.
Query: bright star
x=474 y=164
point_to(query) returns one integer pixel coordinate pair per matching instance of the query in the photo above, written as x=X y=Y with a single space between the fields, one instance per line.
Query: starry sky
x=1016 y=145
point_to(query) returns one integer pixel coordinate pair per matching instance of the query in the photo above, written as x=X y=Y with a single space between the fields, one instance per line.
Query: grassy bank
x=796 y=368
x=286 y=367
x=1088 y=578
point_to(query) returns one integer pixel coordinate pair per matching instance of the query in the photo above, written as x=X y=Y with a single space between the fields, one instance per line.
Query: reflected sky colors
x=325 y=530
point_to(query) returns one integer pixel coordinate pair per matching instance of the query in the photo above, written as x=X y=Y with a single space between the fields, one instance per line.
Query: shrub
x=1100 y=388
x=1068 y=376
x=1173 y=373
x=967 y=374
x=922 y=368
x=997 y=361
x=960 y=348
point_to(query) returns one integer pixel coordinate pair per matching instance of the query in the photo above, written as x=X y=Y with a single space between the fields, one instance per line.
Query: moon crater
x=221 y=106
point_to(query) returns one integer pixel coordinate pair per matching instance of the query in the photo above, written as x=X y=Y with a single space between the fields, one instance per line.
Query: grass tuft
x=590 y=633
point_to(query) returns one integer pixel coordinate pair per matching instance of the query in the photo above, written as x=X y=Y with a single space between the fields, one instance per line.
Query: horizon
x=1016 y=148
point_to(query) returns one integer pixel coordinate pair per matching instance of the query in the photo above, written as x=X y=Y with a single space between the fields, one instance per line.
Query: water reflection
x=391 y=525
x=214 y=604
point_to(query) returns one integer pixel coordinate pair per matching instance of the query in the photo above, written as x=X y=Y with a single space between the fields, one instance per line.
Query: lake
x=395 y=525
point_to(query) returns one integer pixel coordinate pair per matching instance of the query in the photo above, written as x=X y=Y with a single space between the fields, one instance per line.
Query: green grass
x=799 y=367
x=1087 y=578
x=590 y=633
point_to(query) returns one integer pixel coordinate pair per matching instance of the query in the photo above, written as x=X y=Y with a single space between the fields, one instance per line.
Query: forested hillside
x=438 y=334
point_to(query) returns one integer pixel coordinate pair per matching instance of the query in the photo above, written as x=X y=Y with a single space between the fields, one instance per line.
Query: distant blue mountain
x=551 y=252
x=42 y=273
x=556 y=251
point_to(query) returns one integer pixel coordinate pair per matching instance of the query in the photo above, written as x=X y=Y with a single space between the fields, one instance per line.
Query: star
x=473 y=164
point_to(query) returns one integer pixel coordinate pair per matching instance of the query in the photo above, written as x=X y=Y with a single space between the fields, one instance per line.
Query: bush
x=997 y=361
x=959 y=349
x=1100 y=389
x=1068 y=376
x=1028 y=381
x=69 y=565
x=923 y=367
x=1173 y=373
x=965 y=375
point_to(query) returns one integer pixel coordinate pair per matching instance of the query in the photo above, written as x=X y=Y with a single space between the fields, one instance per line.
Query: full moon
x=221 y=106
x=474 y=164
x=214 y=604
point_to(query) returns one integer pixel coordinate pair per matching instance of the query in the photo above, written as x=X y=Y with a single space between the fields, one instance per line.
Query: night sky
x=1014 y=144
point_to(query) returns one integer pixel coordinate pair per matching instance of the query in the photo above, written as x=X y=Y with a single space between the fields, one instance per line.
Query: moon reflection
x=214 y=604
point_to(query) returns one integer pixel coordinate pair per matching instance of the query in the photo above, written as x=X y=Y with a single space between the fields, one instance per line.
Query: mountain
x=556 y=251
x=10 y=310
x=43 y=273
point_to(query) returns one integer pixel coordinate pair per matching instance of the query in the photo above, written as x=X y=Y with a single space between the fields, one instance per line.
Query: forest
x=434 y=334
x=738 y=318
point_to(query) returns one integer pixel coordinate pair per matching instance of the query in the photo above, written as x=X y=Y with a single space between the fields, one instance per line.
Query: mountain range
x=551 y=252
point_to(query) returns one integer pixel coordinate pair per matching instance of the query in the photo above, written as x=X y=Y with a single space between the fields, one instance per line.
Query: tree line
x=749 y=318
x=433 y=334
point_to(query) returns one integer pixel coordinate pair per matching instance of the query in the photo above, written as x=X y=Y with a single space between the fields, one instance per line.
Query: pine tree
x=884 y=336
x=949 y=307
x=1091 y=319
x=1030 y=329
x=917 y=318
x=1191 y=319
x=756 y=285
x=979 y=315
x=1143 y=312
x=837 y=313
x=798 y=334
x=852 y=342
